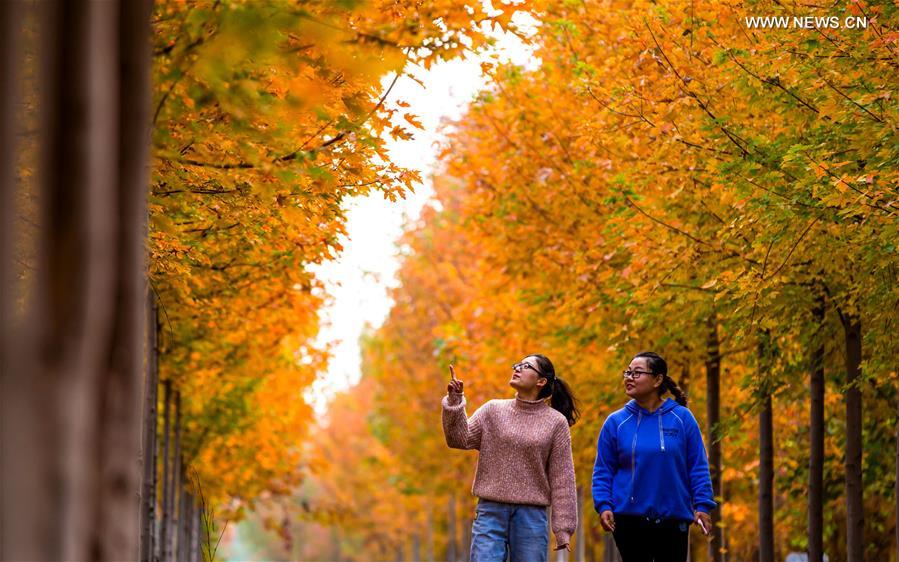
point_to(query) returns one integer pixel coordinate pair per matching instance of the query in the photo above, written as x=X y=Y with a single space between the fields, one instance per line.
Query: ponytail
x=563 y=401
x=671 y=386
x=659 y=366
x=561 y=398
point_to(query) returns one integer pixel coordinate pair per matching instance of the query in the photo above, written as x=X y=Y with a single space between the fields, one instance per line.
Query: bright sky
x=358 y=280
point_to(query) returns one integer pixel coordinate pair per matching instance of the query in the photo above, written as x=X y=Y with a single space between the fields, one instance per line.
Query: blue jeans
x=509 y=531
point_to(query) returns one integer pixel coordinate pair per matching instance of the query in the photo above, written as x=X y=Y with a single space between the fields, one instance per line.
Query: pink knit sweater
x=524 y=455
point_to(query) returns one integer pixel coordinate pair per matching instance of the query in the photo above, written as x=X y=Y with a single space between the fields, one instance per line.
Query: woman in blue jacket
x=651 y=477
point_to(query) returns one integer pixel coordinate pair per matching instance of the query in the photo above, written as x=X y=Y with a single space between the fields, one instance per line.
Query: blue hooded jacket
x=652 y=464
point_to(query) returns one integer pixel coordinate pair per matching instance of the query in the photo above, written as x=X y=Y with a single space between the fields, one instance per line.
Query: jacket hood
x=635 y=408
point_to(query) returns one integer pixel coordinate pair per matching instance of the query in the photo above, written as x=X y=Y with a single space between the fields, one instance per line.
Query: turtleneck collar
x=530 y=405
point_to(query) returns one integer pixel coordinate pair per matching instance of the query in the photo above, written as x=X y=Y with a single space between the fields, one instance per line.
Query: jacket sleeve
x=698 y=468
x=562 y=487
x=605 y=467
x=460 y=431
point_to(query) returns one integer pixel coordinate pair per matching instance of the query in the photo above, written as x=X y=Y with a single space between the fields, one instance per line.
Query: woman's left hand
x=704 y=522
x=566 y=546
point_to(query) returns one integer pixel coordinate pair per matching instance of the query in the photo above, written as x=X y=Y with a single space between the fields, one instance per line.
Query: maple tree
x=267 y=118
x=724 y=195
x=666 y=178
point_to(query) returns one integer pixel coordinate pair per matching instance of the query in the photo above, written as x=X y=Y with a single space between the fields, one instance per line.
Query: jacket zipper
x=661 y=434
x=634 y=456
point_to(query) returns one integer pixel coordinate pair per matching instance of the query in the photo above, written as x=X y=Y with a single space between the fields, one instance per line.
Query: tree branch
x=856 y=104
x=787 y=259
x=686 y=89
x=699 y=241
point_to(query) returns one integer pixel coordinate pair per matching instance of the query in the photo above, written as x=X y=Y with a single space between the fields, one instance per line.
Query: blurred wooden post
x=70 y=417
x=12 y=17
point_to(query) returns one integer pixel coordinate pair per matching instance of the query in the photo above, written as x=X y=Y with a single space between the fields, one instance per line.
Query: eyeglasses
x=628 y=374
x=517 y=367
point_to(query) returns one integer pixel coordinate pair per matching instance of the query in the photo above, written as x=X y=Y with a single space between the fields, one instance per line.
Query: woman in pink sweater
x=524 y=463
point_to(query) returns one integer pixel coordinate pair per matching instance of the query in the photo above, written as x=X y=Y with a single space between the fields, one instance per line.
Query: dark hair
x=561 y=398
x=658 y=366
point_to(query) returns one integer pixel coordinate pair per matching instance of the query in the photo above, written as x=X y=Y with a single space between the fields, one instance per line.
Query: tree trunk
x=166 y=474
x=335 y=536
x=12 y=16
x=149 y=457
x=713 y=417
x=190 y=521
x=579 y=552
x=451 y=551
x=179 y=526
x=896 y=486
x=766 y=481
x=684 y=382
x=855 y=517
x=186 y=518
x=766 y=453
x=175 y=489
x=595 y=545
x=72 y=388
x=12 y=19
x=416 y=547
x=466 y=538
x=196 y=554
x=816 y=445
x=429 y=531
x=115 y=530
x=610 y=551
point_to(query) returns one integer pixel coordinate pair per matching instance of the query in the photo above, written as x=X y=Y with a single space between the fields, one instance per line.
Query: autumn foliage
x=663 y=176
x=668 y=178
x=267 y=117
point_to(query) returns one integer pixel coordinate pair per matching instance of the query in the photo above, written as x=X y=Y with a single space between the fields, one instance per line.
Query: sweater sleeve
x=605 y=467
x=460 y=431
x=562 y=487
x=698 y=468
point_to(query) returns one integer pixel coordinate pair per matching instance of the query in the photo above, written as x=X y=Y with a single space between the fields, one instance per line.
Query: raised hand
x=455 y=385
